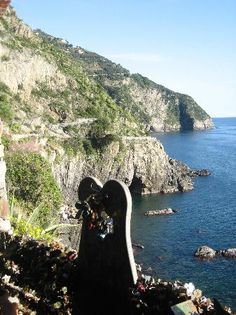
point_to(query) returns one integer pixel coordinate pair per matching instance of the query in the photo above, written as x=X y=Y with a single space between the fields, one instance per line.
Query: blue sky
x=186 y=45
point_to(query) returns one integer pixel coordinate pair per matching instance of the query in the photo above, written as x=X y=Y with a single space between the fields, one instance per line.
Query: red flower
x=72 y=256
x=141 y=287
x=91 y=226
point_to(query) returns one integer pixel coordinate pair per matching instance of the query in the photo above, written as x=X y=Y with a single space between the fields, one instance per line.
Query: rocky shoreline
x=157 y=296
x=37 y=278
x=140 y=162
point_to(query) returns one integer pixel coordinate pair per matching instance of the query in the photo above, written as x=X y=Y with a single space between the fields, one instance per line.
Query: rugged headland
x=70 y=113
x=86 y=115
x=46 y=77
x=139 y=162
x=155 y=106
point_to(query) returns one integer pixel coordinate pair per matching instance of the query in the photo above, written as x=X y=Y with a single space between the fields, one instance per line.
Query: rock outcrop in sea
x=167 y=211
x=206 y=252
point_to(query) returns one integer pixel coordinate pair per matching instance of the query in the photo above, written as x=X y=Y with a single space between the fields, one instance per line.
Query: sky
x=188 y=46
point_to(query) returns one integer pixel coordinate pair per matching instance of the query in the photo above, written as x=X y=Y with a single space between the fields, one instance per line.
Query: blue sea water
x=207 y=214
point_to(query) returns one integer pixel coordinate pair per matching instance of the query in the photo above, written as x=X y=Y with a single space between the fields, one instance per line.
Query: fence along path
x=106 y=262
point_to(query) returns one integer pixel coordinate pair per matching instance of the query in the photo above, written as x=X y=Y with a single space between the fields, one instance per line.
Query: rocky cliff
x=54 y=102
x=39 y=82
x=158 y=108
x=46 y=77
x=140 y=162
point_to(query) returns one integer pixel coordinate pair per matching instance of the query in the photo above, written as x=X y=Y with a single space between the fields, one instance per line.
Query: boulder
x=203 y=172
x=166 y=211
x=205 y=252
x=229 y=253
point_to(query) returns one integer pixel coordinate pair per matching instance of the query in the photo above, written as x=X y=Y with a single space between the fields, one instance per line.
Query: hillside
x=41 y=84
x=157 y=107
x=48 y=81
x=56 y=106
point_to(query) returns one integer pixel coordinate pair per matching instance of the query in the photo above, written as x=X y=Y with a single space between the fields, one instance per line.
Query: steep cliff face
x=41 y=81
x=168 y=111
x=86 y=115
x=140 y=162
x=159 y=108
x=49 y=78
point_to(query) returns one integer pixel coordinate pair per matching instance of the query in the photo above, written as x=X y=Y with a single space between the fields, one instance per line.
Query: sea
x=207 y=214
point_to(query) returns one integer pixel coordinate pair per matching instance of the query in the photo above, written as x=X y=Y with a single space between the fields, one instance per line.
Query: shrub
x=5 y=110
x=30 y=179
x=100 y=144
x=6 y=141
x=100 y=127
x=30 y=227
x=72 y=146
x=88 y=147
x=4 y=88
x=22 y=227
x=15 y=127
x=5 y=58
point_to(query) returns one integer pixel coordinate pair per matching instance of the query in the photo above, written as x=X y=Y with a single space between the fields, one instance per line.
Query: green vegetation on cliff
x=31 y=182
x=134 y=93
x=73 y=95
x=72 y=104
x=6 y=112
x=74 y=83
